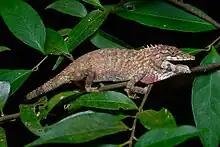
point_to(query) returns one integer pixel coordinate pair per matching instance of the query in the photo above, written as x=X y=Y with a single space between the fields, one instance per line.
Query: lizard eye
x=172 y=53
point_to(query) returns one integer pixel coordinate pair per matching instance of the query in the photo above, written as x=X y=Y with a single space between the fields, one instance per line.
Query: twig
x=36 y=67
x=213 y=42
x=9 y=117
x=201 y=68
x=204 y=68
x=217 y=45
x=132 y=132
x=17 y=115
x=145 y=98
x=195 y=12
x=112 y=86
x=140 y=109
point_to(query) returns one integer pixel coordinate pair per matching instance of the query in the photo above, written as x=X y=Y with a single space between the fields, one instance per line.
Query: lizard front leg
x=89 y=80
x=136 y=89
x=133 y=95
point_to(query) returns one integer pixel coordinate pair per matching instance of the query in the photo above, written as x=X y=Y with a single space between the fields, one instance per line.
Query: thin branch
x=37 y=66
x=140 y=109
x=145 y=97
x=201 y=68
x=132 y=132
x=206 y=67
x=189 y=8
x=9 y=117
x=213 y=42
x=113 y=86
x=17 y=115
x=217 y=45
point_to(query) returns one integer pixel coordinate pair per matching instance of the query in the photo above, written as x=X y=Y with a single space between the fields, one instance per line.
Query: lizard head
x=172 y=53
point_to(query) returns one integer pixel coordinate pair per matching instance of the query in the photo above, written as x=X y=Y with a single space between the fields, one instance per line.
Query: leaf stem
x=69 y=56
x=213 y=42
x=124 y=144
x=37 y=66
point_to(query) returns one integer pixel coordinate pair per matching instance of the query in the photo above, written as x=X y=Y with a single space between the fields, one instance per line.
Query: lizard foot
x=102 y=85
x=131 y=94
x=91 y=89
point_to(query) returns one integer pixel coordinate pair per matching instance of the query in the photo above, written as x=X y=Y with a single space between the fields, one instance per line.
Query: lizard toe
x=91 y=89
x=130 y=94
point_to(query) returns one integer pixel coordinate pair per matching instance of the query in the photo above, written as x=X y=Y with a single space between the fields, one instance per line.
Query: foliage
x=83 y=126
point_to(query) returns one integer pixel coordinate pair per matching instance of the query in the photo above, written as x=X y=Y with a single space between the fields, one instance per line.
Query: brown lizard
x=147 y=65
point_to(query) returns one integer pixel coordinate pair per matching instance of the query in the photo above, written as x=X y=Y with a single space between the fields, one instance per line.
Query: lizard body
x=147 y=65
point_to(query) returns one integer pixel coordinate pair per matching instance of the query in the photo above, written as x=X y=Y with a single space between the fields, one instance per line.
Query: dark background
x=173 y=94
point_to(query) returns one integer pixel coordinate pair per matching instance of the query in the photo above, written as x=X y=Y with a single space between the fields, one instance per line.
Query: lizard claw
x=131 y=94
x=91 y=89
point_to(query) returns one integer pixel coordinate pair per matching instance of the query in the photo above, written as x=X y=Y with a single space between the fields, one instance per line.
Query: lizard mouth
x=178 y=58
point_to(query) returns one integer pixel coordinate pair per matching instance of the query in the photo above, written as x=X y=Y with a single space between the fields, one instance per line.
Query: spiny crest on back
x=170 y=53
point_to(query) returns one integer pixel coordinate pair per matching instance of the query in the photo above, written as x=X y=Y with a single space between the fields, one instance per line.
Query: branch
x=140 y=109
x=189 y=8
x=112 y=86
x=9 y=117
x=206 y=67
x=201 y=68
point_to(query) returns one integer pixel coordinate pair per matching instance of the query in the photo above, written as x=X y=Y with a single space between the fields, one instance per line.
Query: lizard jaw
x=178 y=58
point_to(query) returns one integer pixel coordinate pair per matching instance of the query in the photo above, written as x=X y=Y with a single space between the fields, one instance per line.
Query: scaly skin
x=147 y=65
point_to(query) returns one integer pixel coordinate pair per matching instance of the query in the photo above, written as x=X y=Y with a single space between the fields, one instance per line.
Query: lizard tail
x=53 y=83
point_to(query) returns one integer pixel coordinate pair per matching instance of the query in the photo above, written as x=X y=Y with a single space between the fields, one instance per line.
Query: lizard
x=147 y=65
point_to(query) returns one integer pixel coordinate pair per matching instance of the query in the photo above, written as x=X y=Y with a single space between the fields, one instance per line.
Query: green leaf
x=54 y=101
x=30 y=117
x=156 y=119
x=3 y=140
x=58 y=62
x=32 y=114
x=105 y=100
x=24 y=22
x=55 y=44
x=71 y=7
x=85 y=28
x=4 y=48
x=15 y=77
x=155 y=14
x=94 y=2
x=104 y=40
x=4 y=94
x=81 y=127
x=64 y=32
x=192 y=51
x=167 y=137
x=206 y=102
